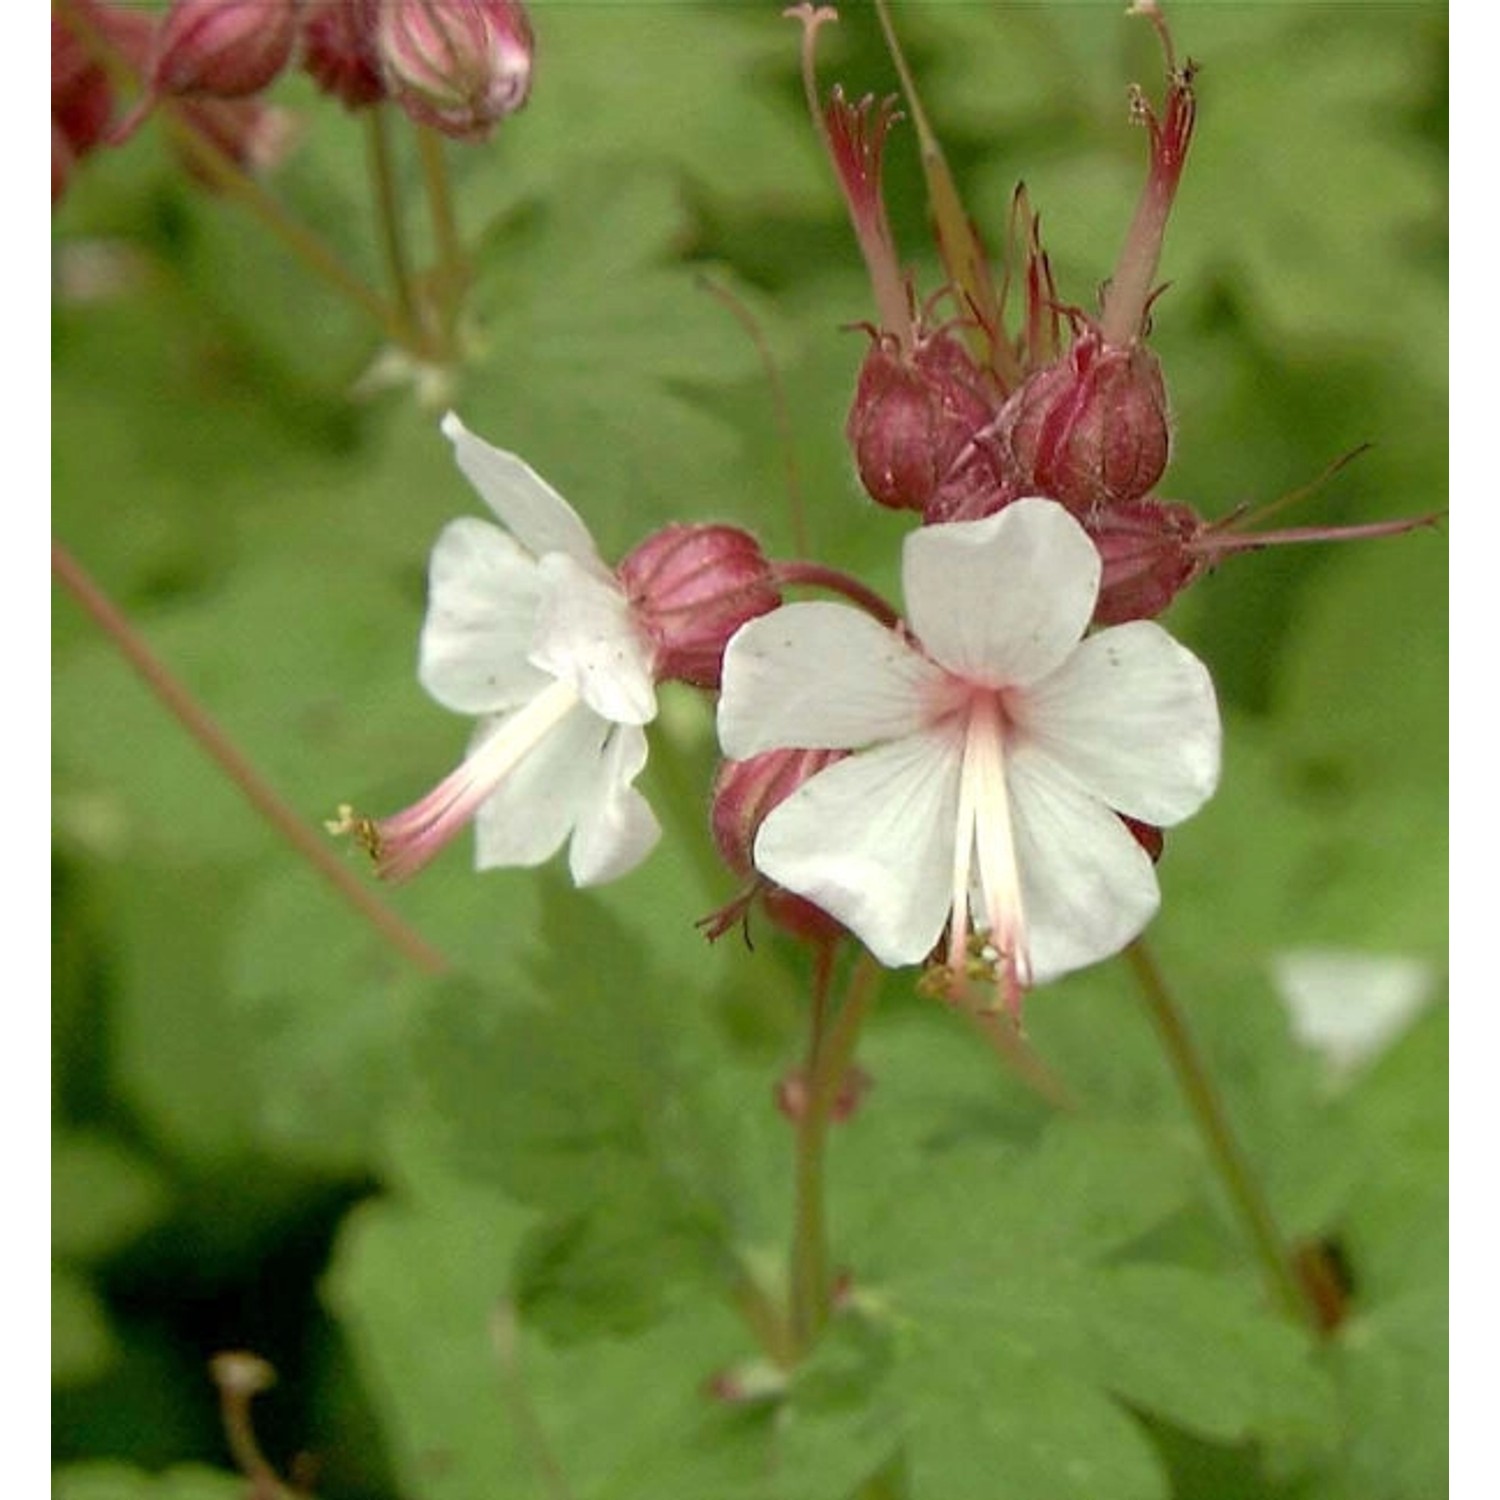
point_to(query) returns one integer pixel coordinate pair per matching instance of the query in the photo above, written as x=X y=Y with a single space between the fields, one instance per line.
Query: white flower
x=529 y=630
x=996 y=747
x=1350 y=1006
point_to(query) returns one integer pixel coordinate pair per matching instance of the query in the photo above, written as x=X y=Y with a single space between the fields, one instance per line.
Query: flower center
x=986 y=877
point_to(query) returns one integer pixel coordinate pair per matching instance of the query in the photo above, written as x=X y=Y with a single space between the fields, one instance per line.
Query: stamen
x=408 y=841
x=986 y=839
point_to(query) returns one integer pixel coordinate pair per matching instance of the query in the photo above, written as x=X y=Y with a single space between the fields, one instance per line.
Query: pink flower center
x=987 y=929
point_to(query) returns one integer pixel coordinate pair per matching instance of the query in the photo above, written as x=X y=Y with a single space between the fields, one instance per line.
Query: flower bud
x=338 y=51
x=459 y=66
x=82 y=100
x=223 y=49
x=913 y=418
x=745 y=793
x=1092 y=429
x=793 y=1095
x=691 y=588
x=1149 y=556
x=1151 y=838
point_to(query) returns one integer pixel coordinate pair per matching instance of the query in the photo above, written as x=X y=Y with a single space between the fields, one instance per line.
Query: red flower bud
x=913 y=418
x=338 y=51
x=691 y=588
x=459 y=66
x=1092 y=429
x=1147 y=548
x=82 y=100
x=745 y=792
x=792 y=1095
x=223 y=49
x=1151 y=838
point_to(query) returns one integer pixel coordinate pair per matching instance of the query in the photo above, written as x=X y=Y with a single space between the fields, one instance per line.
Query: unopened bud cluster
x=455 y=66
x=958 y=421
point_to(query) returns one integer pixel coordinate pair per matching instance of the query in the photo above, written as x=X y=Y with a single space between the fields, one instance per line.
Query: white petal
x=538 y=804
x=1132 y=715
x=1351 y=1006
x=616 y=827
x=1003 y=600
x=1087 y=887
x=820 y=677
x=870 y=840
x=483 y=596
x=586 y=637
x=541 y=520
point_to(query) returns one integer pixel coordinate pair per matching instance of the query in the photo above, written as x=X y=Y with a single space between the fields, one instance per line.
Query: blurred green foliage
x=491 y=1229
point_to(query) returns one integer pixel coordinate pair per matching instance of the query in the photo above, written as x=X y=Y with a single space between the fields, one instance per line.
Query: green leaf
x=83 y=1345
x=104 y=1480
x=1011 y=1271
x=984 y=1423
x=1392 y=1369
x=175 y=1053
x=416 y=1291
x=475 y=1406
x=599 y=1092
x=693 y=86
x=589 y=326
x=1397 y=1226
x=1200 y=1352
x=104 y=1195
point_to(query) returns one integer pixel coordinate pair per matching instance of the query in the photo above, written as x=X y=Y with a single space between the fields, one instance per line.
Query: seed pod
x=912 y=418
x=1147 y=550
x=1092 y=429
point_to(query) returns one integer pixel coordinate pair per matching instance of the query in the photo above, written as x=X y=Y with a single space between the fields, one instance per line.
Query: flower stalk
x=388 y=214
x=1228 y=1156
x=830 y=1050
x=450 y=276
x=257 y=791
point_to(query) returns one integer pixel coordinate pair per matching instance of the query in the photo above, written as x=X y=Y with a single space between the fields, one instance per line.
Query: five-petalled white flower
x=531 y=631
x=997 y=747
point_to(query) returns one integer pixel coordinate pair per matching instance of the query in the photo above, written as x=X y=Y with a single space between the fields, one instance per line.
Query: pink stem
x=257 y=791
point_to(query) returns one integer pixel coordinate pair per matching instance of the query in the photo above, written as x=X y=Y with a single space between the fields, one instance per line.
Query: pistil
x=986 y=838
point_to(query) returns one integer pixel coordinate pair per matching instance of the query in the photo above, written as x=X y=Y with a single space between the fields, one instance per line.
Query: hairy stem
x=308 y=842
x=1228 y=1157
